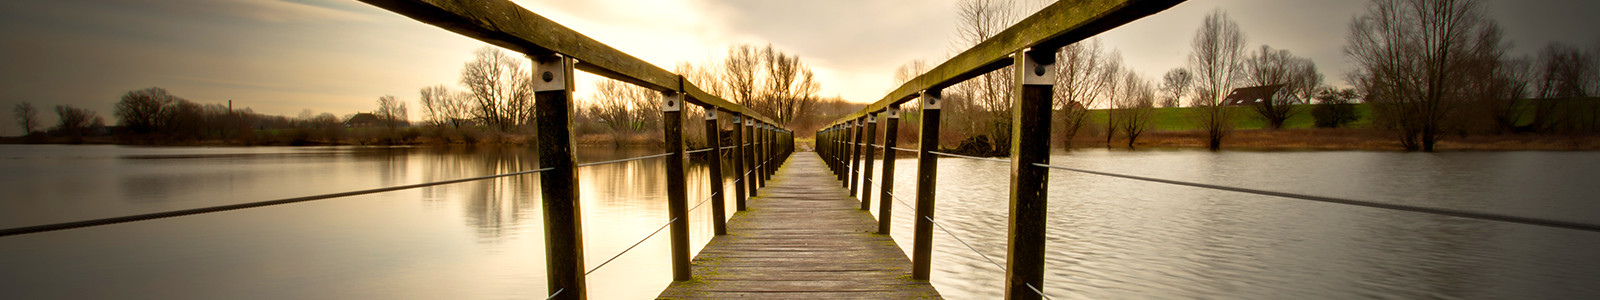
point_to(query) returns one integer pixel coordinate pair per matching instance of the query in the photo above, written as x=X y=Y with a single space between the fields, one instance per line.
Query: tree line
x=1427 y=67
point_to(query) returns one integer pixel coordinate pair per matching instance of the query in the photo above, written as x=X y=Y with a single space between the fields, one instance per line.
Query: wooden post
x=1030 y=144
x=762 y=157
x=866 y=172
x=738 y=162
x=563 y=224
x=855 y=156
x=772 y=137
x=719 y=220
x=927 y=171
x=891 y=133
x=677 y=189
x=749 y=156
x=844 y=154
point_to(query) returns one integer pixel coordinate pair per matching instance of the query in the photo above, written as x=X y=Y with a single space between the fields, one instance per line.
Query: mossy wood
x=505 y=24
x=804 y=238
x=1057 y=25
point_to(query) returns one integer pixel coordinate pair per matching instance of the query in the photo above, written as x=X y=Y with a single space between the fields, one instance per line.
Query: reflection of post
x=677 y=189
x=563 y=229
x=891 y=133
x=866 y=172
x=1030 y=144
x=927 y=168
x=714 y=140
x=738 y=161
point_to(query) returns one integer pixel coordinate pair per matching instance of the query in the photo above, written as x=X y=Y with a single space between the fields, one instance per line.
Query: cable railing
x=1029 y=48
x=557 y=52
x=232 y=207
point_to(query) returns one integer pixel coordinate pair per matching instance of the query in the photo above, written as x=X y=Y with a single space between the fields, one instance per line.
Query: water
x=473 y=240
x=1118 y=238
x=1109 y=238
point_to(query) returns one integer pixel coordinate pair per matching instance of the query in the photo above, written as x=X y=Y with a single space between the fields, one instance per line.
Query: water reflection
x=1108 y=237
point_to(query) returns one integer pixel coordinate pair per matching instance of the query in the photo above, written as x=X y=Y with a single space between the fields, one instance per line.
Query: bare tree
x=73 y=121
x=441 y=106
x=1412 y=58
x=1134 y=105
x=1173 y=85
x=1081 y=79
x=501 y=89
x=991 y=93
x=142 y=111
x=391 y=111
x=1298 y=76
x=27 y=117
x=626 y=107
x=790 y=87
x=907 y=72
x=1217 y=66
x=1563 y=71
x=740 y=74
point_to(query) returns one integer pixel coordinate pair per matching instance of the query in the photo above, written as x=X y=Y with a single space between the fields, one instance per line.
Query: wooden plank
x=803 y=238
x=508 y=25
x=1057 y=25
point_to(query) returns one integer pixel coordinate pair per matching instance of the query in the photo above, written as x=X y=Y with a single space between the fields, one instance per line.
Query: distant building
x=1255 y=95
x=363 y=120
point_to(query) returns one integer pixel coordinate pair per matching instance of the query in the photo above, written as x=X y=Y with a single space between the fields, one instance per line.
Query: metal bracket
x=872 y=118
x=749 y=122
x=552 y=73
x=932 y=100
x=711 y=114
x=671 y=101
x=894 y=112
x=1035 y=72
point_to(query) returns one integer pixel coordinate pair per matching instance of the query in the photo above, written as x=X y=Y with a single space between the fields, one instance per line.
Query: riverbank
x=1344 y=139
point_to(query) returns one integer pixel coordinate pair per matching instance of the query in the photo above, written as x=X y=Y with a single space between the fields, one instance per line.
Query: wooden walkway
x=803 y=237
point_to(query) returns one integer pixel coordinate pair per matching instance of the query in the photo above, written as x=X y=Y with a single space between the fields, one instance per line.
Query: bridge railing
x=1030 y=47
x=557 y=51
x=759 y=143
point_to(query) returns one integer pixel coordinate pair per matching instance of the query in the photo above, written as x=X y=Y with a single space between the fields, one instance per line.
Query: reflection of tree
x=493 y=206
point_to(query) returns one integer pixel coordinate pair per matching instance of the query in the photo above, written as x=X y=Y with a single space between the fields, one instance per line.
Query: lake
x=1108 y=237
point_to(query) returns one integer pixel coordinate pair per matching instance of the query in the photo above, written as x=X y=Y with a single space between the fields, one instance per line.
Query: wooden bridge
x=802 y=230
x=807 y=238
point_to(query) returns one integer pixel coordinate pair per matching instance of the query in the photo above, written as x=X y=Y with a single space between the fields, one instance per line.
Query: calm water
x=1109 y=238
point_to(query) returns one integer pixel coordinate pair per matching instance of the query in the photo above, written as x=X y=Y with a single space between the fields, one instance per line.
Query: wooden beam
x=1057 y=25
x=508 y=25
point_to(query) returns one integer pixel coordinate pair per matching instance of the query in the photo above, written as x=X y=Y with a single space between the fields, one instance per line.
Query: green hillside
x=1182 y=118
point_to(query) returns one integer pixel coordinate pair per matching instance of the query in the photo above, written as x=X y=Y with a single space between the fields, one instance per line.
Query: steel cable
x=1401 y=207
x=623 y=160
x=222 y=208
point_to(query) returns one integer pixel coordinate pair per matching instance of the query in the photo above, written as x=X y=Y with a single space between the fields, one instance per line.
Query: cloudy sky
x=339 y=56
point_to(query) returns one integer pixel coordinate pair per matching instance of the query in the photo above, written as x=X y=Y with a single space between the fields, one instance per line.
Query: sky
x=281 y=57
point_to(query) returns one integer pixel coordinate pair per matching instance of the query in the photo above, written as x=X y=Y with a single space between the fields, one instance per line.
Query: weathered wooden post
x=891 y=133
x=677 y=189
x=866 y=172
x=855 y=156
x=927 y=171
x=772 y=136
x=719 y=220
x=844 y=154
x=738 y=162
x=763 y=160
x=1030 y=144
x=749 y=156
x=563 y=224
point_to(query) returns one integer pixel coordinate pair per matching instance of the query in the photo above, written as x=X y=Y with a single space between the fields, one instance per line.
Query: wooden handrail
x=505 y=24
x=1053 y=27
